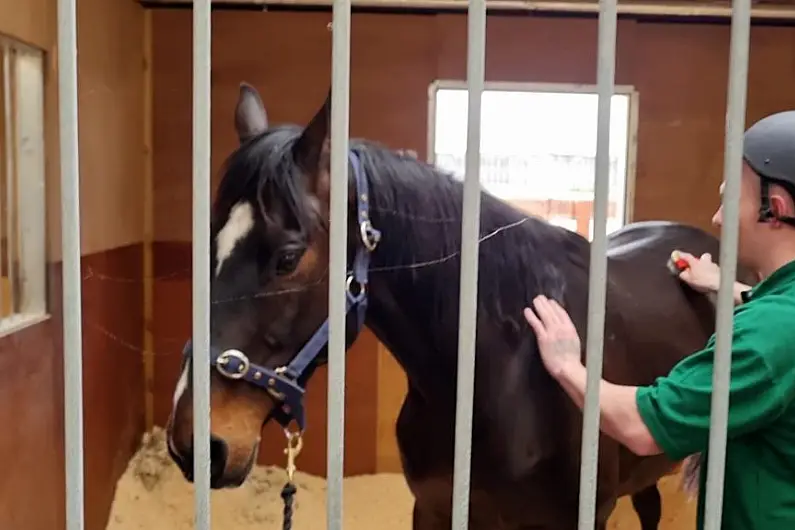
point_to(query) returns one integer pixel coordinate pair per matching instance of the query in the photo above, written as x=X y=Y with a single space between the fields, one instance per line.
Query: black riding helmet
x=769 y=149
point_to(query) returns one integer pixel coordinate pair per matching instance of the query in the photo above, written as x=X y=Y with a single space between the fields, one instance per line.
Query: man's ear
x=780 y=206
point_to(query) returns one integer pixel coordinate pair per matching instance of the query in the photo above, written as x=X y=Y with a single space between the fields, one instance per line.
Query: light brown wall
x=110 y=69
x=395 y=58
x=110 y=116
x=32 y=21
x=110 y=63
x=680 y=71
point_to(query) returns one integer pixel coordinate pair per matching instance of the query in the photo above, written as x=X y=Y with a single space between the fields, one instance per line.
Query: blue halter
x=286 y=383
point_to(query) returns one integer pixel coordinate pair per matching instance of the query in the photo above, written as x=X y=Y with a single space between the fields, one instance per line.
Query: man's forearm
x=737 y=290
x=619 y=416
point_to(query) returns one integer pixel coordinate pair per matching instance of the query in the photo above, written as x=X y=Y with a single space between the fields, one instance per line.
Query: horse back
x=653 y=318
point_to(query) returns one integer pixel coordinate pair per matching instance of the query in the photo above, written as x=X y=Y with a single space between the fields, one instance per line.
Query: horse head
x=269 y=287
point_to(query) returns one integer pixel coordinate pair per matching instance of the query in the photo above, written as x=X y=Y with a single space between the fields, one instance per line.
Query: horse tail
x=691 y=472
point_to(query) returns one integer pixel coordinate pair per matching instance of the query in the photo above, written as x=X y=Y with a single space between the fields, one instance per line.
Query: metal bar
x=724 y=318
x=470 y=236
x=12 y=202
x=605 y=81
x=340 y=108
x=679 y=9
x=70 y=230
x=201 y=264
x=9 y=149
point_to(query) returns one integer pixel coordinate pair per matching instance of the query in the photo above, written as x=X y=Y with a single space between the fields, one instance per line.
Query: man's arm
x=619 y=416
x=673 y=414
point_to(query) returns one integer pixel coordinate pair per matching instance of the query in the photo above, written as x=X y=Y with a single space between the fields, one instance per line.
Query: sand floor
x=152 y=495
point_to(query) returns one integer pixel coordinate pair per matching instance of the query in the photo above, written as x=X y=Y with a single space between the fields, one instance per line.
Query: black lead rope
x=294 y=444
x=288 y=494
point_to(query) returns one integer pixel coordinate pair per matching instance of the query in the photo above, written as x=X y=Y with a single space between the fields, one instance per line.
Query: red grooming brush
x=676 y=264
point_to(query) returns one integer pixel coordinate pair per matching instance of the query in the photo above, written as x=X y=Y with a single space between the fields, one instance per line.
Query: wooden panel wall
x=110 y=63
x=680 y=71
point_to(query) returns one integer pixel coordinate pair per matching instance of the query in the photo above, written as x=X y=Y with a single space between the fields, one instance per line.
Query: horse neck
x=415 y=270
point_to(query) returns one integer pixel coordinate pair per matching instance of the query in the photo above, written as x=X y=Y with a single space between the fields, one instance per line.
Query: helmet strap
x=765 y=211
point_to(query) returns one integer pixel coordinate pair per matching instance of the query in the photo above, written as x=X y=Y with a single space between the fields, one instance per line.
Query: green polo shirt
x=759 y=490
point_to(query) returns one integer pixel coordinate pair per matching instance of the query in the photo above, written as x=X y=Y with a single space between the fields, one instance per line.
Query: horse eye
x=287 y=261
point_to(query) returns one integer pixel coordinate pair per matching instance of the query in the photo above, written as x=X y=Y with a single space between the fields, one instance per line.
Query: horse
x=269 y=328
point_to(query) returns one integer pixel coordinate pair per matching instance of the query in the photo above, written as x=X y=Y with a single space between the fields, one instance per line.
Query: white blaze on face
x=238 y=225
x=182 y=383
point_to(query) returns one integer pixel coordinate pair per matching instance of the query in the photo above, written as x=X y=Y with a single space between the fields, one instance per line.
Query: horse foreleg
x=428 y=520
x=648 y=506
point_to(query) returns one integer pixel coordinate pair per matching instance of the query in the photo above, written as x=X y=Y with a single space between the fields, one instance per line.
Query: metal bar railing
x=470 y=235
x=10 y=172
x=201 y=263
x=605 y=86
x=12 y=183
x=724 y=318
x=340 y=117
x=70 y=229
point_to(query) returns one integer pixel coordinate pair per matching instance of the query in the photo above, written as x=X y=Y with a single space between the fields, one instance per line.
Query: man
x=672 y=415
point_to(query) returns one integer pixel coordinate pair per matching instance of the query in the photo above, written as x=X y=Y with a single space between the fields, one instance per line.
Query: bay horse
x=269 y=289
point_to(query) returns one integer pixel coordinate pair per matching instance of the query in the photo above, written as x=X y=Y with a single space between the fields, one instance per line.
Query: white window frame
x=513 y=86
x=25 y=195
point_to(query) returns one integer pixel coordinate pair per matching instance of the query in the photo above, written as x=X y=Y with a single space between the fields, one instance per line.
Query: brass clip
x=294 y=445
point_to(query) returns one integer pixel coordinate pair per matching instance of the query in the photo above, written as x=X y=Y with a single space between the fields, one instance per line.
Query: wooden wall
x=680 y=71
x=112 y=162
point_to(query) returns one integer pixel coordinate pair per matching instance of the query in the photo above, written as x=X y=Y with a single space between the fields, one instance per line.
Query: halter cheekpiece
x=286 y=383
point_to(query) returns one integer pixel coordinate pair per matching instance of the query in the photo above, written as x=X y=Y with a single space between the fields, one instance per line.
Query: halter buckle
x=242 y=367
x=349 y=288
x=370 y=236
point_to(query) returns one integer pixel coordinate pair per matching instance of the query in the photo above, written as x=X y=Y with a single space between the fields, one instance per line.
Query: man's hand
x=558 y=341
x=702 y=274
x=559 y=346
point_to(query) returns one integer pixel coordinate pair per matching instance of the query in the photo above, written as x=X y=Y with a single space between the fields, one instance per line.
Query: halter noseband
x=286 y=383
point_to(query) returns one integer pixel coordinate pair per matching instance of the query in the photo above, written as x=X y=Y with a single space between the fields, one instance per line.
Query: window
x=569 y=223
x=538 y=147
x=22 y=194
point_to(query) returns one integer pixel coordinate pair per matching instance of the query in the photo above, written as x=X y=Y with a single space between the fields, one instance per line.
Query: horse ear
x=250 y=116
x=312 y=147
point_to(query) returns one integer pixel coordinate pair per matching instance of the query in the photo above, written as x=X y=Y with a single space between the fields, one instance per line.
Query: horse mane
x=418 y=207
x=421 y=206
x=261 y=168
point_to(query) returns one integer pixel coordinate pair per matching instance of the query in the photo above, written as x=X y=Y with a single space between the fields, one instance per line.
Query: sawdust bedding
x=153 y=495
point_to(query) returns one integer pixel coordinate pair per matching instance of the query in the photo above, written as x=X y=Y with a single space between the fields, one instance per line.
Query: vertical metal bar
x=9 y=149
x=201 y=262
x=732 y=171
x=605 y=80
x=70 y=229
x=12 y=232
x=468 y=290
x=340 y=107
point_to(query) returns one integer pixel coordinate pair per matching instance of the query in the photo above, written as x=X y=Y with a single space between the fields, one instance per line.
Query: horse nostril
x=219 y=452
